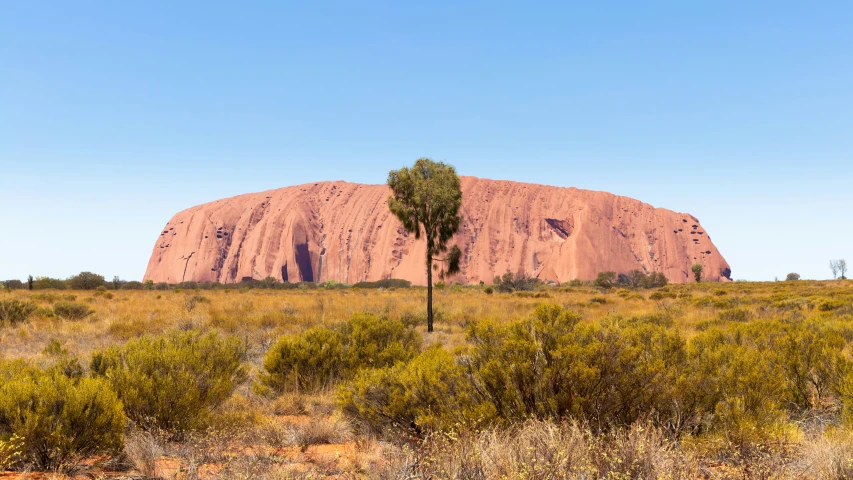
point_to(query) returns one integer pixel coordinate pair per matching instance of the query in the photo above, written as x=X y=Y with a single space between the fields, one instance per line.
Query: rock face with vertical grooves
x=344 y=232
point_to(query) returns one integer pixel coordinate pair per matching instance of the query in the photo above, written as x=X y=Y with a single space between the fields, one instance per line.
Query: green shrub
x=71 y=310
x=322 y=355
x=830 y=305
x=606 y=280
x=385 y=283
x=550 y=366
x=639 y=279
x=730 y=379
x=60 y=420
x=61 y=361
x=432 y=392
x=660 y=295
x=191 y=301
x=15 y=311
x=42 y=283
x=489 y=290
x=744 y=377
x=811 y=355
x=511 y=282
x=372 y=342
x=735 y=315
x=547 y=366
x=307 y=361
x=173 y=382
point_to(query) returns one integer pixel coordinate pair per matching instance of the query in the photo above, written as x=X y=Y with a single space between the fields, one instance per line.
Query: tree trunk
x=429 y=294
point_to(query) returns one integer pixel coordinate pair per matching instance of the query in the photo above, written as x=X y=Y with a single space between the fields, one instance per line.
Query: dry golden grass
x=302 y=435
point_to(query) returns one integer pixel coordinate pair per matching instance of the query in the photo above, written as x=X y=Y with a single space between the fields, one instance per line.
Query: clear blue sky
x=116 y=115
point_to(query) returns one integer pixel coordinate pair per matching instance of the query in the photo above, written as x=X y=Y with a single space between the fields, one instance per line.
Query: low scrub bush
x=322 y=355
x=172 y=382
x=71 y=310
x=385 y=283
x=608 y=373
x=639 y=279
x=432 y=392
x=306 y=361
x=57 y=420
x=15 y=311
x=660 y=295
x=735 y=315
x=515 y=282
x=191 y=301
x=738 y=380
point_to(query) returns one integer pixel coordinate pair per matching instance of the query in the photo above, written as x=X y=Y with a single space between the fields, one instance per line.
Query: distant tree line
x=634 y=279
x=93 y=281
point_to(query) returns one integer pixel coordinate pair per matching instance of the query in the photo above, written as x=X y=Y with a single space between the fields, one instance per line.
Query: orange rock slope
x=344 y=232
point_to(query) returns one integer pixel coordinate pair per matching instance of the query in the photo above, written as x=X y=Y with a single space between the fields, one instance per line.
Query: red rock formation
x=343 y=231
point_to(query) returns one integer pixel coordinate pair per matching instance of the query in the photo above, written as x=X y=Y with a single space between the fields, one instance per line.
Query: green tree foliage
x=15 y=311
x=86 y=281
x=792 y=277
x=426 y=199
x=41 y=283
x=13 y=284
x=639 y=279
x=697 y=271
x=173 y=382
x=322 y=355
x=518 y=282
x=606 y=280
x=60 y=420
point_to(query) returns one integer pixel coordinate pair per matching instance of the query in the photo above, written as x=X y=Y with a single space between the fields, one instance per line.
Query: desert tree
x=606 y=280
x=29 y=282
x=842 y=268
x=697 y=271
x=426 y=199
x=792 y=277
x=833 y=266
x=86 y=281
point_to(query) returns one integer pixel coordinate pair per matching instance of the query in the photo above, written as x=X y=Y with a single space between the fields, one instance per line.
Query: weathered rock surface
x=343 y=231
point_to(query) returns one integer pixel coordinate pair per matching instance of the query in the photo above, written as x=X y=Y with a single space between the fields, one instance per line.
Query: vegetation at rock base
x=697 y=269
